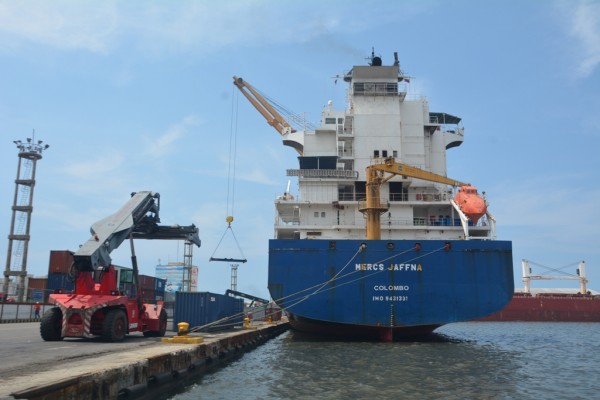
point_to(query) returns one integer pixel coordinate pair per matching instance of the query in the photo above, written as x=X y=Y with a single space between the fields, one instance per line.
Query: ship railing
x=323 y=173
x=375 y=88
x=382 y=206
x=481 y=230
x=345 y=152
x=398 y=196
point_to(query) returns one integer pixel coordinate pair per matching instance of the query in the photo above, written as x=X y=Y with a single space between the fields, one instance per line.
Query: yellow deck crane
x=291 y=137
x=375 y=177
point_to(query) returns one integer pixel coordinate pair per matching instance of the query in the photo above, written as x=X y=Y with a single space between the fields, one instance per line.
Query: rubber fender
x=223 y=354
x=133 y=391
x=180 y=373
x=198 y=364
x=161 y=379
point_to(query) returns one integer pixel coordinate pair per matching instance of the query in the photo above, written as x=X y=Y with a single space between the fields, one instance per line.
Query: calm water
x=479 y=360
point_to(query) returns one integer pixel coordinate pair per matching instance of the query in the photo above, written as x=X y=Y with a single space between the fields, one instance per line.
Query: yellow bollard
x=183 y=328
x=247 y=324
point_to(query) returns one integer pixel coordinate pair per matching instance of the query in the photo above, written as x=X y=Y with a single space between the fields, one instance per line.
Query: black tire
x=162 y=326
x=114 y=326
x=51 y=325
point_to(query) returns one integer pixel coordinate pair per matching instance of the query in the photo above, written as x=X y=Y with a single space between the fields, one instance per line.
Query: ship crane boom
x=375 y=177
x=290 y=136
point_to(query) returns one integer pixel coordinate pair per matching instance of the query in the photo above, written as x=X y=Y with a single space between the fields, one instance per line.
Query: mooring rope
x=320 y=287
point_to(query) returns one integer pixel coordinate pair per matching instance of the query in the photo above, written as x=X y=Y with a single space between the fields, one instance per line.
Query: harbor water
x=473 y=360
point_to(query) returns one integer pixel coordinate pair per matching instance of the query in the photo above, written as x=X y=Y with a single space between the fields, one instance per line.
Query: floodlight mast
x=30 y=151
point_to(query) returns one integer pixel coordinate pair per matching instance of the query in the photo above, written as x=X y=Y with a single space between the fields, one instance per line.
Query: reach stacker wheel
x=114 y=326
x=51 y=325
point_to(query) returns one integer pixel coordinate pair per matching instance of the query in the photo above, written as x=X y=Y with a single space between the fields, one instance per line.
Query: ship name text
x=391 y=267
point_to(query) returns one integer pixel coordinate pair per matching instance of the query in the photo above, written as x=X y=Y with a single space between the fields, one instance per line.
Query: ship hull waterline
x=388 y=289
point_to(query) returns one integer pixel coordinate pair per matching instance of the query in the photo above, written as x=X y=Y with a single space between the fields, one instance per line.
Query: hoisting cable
x=231 y=180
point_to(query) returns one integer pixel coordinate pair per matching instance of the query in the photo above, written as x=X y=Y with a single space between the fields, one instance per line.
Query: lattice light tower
x=234 y=269
x=30 y=152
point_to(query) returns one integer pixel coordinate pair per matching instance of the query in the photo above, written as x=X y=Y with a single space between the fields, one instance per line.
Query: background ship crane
x=469 y=203
x=528 y=277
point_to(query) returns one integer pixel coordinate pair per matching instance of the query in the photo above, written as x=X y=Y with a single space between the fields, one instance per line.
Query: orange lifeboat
x=470 y=203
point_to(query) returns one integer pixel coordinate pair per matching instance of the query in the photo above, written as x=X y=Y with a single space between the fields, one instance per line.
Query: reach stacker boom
x=97 y=307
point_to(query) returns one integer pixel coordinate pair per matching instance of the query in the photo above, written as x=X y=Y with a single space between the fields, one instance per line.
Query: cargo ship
x=551 y=305
x=378 y=243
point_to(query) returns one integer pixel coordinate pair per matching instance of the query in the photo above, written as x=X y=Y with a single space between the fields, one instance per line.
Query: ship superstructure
x=379 y=122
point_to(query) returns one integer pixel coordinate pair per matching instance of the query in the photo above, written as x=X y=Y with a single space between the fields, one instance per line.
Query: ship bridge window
x=376 y=88
x=324 y=162
x=398 y=192
x=375 y=153
x=383 y=153
x=345 y=193
x=329 y=121
x=360 y=190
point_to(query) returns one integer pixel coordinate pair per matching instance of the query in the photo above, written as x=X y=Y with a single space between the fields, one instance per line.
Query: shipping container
x=147 y=282
x=60 y=261
x=148 y=296
x=36 y=289
x=38 y=295
x=37 y=283
x=201 y=308
x=160 y=284
x=60 y=281
x=128 y=289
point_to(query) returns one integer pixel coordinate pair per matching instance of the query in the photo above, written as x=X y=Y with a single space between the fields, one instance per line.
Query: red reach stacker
x=96 y=307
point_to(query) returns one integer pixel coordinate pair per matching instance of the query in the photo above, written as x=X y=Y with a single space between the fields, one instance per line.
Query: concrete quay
x=137 y=368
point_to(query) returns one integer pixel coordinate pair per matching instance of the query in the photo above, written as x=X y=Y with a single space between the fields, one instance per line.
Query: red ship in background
x=551 y=305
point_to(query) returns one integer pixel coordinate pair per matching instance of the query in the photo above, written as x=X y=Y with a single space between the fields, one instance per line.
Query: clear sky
x=138 y=95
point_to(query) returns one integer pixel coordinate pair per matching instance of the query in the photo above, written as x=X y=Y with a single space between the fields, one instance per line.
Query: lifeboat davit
x=470 y=203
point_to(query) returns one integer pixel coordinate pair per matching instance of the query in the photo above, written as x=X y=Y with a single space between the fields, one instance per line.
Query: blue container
x=37 y=295
x=202 y=308
x=59 y=280
x=160 y=285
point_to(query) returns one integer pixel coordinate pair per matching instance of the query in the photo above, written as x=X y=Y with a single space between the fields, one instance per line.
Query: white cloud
x=59 y=24
x=99 y=166
x=163 y=144
x=584 y=26
x=184 y=25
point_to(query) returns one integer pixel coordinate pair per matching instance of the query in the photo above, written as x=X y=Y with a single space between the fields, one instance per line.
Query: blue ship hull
x=388 y=289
